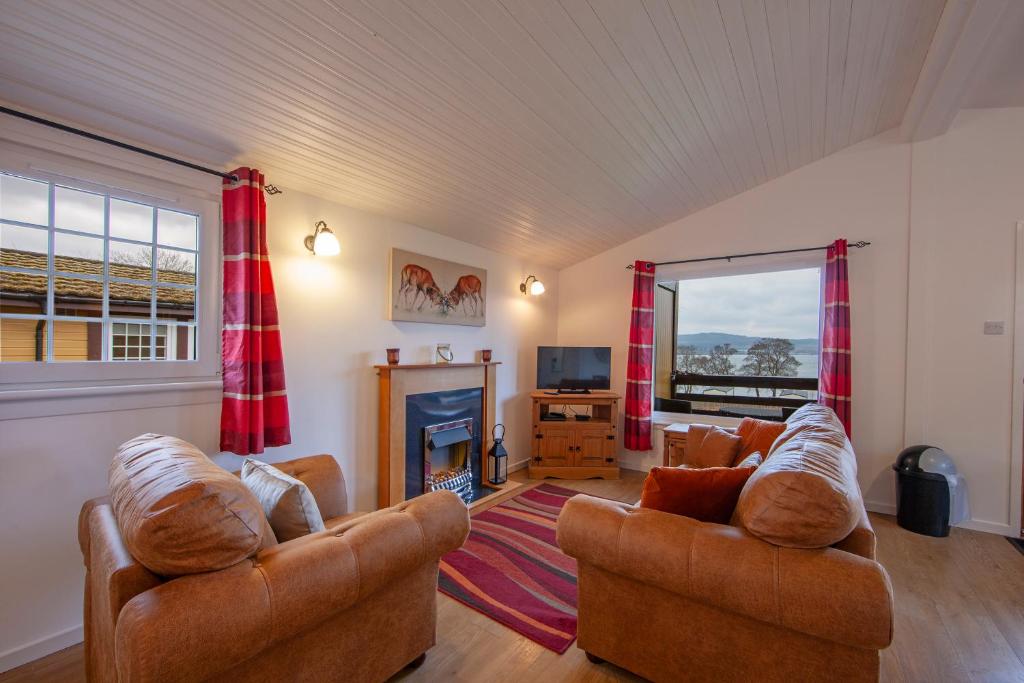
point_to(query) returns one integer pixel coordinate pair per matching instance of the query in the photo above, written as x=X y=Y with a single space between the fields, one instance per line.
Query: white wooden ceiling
x=547 y=129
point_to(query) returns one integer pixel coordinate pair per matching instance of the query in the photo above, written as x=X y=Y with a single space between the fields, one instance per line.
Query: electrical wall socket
x=995 y=327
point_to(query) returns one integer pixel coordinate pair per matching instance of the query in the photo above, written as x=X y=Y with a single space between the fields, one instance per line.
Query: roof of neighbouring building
x=70 y=287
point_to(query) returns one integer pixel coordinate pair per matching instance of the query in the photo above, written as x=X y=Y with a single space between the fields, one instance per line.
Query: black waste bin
x=922 y=498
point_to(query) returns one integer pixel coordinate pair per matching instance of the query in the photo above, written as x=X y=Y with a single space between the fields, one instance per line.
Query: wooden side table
x=675 y=443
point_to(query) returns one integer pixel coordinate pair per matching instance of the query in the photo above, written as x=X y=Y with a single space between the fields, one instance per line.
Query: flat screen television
x=574 y=368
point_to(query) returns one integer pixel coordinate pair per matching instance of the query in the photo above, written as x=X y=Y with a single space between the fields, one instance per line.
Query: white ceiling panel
x=547 y=129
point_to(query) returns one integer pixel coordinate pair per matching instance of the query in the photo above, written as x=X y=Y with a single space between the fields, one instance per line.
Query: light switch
x=995 y=327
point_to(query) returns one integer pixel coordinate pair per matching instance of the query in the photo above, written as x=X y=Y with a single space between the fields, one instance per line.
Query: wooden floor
x=959 y=617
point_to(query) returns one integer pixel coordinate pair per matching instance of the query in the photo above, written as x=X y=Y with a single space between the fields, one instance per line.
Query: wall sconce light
x=322 y=242
x=535 y=288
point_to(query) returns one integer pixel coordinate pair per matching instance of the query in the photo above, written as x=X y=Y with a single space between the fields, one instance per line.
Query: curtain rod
x=115 y=143
x=855 y=245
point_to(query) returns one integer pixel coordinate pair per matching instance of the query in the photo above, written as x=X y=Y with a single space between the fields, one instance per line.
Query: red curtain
x=834 y=372
x=254 y=409
x=640 y=366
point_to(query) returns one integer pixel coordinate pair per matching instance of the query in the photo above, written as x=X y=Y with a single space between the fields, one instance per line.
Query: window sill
x=662 y=419
x=24 y=403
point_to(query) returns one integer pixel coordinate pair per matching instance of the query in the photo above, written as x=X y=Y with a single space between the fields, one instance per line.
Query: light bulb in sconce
x=322 y=242
x=535 y=288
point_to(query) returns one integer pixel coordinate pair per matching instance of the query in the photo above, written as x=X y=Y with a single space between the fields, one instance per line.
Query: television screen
x=574 y=367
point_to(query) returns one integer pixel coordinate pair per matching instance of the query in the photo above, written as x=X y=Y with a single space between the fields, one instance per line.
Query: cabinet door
x=595 y=448
x=554 y=448
x=674 y=446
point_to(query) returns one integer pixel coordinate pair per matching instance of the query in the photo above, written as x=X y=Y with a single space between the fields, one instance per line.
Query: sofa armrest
x=194 y=627
x=824 y=592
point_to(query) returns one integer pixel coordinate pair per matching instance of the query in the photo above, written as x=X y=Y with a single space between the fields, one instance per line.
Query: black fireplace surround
x=435 y=408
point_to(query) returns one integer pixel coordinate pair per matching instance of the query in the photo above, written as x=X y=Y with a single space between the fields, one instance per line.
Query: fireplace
x=420 y=446
x=443 y=444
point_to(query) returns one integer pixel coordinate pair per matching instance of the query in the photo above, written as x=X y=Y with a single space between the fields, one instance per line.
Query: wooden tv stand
x=571 y=448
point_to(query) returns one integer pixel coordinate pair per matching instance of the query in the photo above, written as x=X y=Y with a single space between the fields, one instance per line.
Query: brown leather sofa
x=674 y=599
x=356 y=602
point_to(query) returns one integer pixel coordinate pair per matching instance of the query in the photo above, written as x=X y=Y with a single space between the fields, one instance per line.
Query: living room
x=510 y=144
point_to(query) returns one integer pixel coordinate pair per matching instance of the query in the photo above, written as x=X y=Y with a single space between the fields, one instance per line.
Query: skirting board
x=972 y=524
x=38 y=649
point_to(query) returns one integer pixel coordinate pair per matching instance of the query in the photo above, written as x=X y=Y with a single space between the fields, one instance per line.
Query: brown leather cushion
x=757 y=435
x=717 y=449
x=287 y=502
x=178 y=512
x=708 y=494
x=806 y=494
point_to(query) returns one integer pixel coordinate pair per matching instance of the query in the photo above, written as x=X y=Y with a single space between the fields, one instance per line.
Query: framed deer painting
x=425 y=289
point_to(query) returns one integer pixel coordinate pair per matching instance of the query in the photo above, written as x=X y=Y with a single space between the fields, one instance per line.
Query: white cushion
x=287 y=502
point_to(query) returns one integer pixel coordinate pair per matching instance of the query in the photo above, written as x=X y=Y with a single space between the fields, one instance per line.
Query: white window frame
x=78 y=173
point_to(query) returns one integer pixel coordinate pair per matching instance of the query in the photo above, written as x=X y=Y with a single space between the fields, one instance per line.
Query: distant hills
x=705 y=341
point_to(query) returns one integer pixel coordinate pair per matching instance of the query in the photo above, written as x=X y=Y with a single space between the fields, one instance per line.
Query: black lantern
x=497 y=457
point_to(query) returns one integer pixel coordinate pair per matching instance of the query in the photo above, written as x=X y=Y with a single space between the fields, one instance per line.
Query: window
x=738 y=345
x=89 y=250
x=79 y=269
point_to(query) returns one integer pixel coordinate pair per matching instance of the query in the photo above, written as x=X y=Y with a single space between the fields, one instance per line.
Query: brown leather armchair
x=356 y=602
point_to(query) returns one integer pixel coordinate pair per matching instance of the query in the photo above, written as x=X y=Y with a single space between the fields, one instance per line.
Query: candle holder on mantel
x=485 y=356
x=393 y=356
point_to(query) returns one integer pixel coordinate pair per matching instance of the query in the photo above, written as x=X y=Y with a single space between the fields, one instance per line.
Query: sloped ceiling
x=547 y=129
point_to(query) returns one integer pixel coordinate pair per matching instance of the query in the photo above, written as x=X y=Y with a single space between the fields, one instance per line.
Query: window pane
x=80 y=294
x=130 y=300
x=22 y=340
x=175 y=303
x=82 y=250
x=75 y=340
x=768 y=341
x=24 y=200
x=23 y=247
x=23 y=293
x=77 y=297
x=131 y=221
x=77 y=210
x=176 y=229
x=178 y=267
x=130 y=260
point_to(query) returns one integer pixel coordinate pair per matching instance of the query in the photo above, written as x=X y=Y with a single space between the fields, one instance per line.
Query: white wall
x=858 y=193
x=968 y=194
x=335 y=328
x=940 y=216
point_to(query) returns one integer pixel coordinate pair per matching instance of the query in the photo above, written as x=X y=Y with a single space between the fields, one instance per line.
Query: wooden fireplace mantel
x=439 y=366
x=396 y=382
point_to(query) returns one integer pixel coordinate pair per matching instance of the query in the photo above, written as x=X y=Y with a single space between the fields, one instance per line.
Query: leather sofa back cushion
x=806 y=494
x=708 y=494
x=287 y=502
x=757 y=435
x=178 y=512
x=717 y=449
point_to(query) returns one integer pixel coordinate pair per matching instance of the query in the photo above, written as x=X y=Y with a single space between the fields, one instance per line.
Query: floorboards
x=959 y=617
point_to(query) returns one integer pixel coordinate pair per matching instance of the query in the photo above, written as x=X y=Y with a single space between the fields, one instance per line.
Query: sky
x=780 y=304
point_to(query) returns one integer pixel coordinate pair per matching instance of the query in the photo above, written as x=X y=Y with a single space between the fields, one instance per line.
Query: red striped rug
x=511 y=569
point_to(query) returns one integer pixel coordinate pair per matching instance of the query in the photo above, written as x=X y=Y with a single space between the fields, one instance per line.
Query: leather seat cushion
x=178 y=512
x=806 y=494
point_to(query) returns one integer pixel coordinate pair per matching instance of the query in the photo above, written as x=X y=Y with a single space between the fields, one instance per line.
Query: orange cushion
x=757 y=435
x=708 y=495
x=718 y=449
